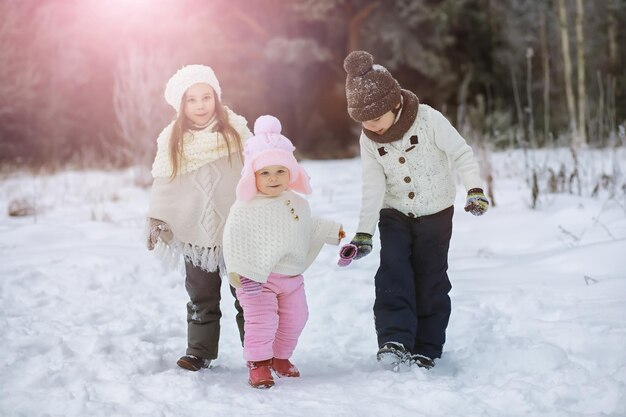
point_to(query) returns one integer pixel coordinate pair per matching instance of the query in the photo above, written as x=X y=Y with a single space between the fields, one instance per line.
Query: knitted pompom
x=267 y=124
x=358 y=63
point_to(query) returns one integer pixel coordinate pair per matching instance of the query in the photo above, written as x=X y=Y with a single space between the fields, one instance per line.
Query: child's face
x=199 y=103
x=381 y=124
x=272 y=180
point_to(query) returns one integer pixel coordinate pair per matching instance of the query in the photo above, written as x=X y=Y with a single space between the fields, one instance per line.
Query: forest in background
x=81 y=81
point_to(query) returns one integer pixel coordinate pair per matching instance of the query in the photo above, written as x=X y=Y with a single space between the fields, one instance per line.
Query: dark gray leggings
x=203 y=311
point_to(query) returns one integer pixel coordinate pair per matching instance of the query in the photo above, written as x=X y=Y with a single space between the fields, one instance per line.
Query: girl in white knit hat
x=196 y=168
x=270 y=239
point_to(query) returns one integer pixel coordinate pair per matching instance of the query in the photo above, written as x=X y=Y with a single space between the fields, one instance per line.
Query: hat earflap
x=246 y=188
x=301 y=181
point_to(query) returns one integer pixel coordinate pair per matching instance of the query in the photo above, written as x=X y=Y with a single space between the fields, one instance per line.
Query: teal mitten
x=477 y=203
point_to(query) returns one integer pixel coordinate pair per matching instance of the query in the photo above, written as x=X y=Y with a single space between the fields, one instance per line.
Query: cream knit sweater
x=273 y=234
x=415 y=176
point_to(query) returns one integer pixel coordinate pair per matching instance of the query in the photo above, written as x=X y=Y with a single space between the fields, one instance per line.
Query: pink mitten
x=347 y=254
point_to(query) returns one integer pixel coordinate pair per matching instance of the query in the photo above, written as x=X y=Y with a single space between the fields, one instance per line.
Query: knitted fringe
x=208 y=259
x=169 y=254
x=172 y=254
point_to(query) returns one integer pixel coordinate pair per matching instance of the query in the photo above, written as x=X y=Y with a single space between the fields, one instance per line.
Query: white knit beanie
x=186 y=77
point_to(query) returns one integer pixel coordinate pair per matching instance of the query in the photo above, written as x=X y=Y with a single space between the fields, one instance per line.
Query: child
x=196 y=168
x=270 y=239
x=408 y=188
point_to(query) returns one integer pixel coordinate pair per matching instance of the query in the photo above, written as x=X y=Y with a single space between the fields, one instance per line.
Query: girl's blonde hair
x=223 y=126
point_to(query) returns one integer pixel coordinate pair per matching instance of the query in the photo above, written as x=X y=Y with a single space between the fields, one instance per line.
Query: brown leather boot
x=193 y=363
x=284 y=368
x=260 y=374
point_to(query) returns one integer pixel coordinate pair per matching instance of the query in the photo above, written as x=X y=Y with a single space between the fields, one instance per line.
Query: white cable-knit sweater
x=273 y=234
x=413 y=174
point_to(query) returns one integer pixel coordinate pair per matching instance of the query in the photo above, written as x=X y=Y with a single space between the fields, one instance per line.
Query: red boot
x=260 y=374
x=284 y=368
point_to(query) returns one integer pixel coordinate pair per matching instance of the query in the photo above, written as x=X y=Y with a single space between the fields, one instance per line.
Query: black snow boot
x=422 y=361
x=392 y=355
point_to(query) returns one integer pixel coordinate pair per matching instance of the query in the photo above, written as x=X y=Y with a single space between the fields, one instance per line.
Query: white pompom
x=267 y=124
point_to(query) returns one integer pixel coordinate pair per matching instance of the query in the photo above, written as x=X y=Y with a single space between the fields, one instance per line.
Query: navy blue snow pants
x=412 y=305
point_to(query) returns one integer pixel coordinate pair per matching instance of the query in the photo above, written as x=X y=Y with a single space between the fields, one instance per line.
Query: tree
x=612 y=10
x=20 y=76
x=567 y=70
x=138 y=104
x=581 y=139
x=545 y=69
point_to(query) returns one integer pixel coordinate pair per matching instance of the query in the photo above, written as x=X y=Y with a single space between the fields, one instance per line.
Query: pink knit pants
x=274 y=319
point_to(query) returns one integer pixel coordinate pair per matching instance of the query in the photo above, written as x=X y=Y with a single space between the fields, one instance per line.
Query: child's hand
x=477 y=203
x=157 y=228
x=363 y=243
x=346 y=254
x=250 y=287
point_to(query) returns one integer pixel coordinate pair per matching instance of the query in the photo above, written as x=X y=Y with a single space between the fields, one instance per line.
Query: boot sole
x=415 y=362
x=262 y=385
x=281 y=375
x=391 y=361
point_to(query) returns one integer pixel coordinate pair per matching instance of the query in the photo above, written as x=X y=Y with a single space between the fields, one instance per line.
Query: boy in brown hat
x=409 y=190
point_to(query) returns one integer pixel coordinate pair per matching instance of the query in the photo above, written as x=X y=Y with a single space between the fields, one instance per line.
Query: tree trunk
x=545 y=69
x=600 y=109
x=139 y=114
x=582 y=91
x=518 y=106
x=354 y=24
x=529 y=96
x=612 y=7
x=611 y=113
x=463 y=91
x=567 y=68
x=612 y=35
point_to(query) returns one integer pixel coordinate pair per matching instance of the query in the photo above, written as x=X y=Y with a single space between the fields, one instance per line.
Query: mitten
x=477 y=203
x=347 y=254
x=363 y=243
x=156 y=229
x=250 y=287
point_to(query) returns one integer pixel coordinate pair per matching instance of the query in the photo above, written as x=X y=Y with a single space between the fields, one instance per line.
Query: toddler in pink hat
x=266 y=148
x=270 y=239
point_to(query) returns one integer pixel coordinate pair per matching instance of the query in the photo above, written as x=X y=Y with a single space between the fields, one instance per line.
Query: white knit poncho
x=273 y=234
x=196 y=201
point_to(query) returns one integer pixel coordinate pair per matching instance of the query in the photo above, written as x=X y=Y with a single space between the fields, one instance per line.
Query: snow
x=91 y=324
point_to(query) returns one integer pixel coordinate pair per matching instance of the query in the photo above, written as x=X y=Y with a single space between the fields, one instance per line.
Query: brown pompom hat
x=370 y=89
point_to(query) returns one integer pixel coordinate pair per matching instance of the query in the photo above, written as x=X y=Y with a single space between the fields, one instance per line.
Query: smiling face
x=272 y=180
x=381 y=124
x=199 y=103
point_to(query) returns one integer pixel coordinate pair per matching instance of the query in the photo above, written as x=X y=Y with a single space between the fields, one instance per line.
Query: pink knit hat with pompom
x=268 y=147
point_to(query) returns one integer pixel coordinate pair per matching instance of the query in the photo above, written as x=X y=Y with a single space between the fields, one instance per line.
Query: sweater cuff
x=333 y=235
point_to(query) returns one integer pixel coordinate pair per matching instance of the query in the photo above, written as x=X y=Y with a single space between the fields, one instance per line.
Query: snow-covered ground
x=91 y=324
